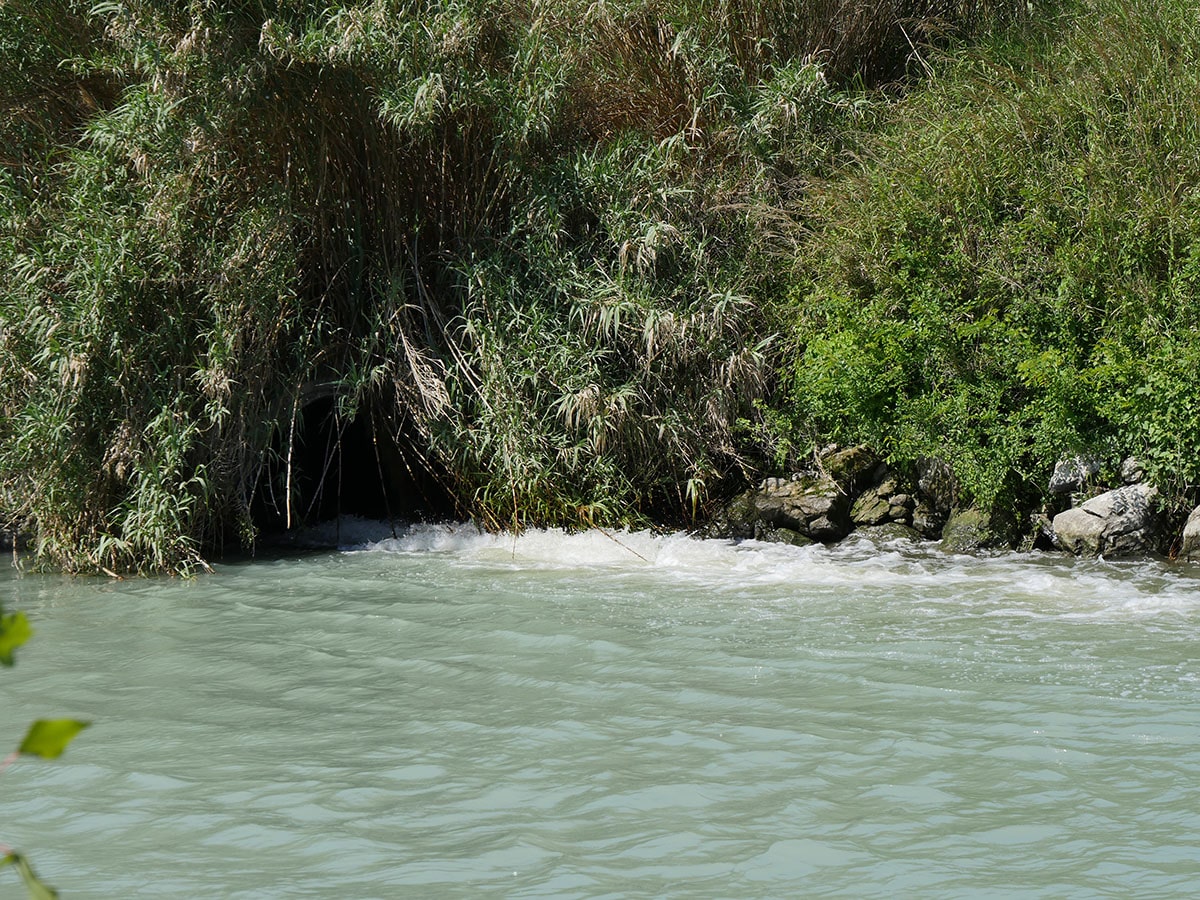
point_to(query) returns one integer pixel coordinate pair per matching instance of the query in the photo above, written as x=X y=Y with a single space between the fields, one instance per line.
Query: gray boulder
x=1071 y=474
x=1132 y=471
x=971 y=530
x=1190 y=548
x=1121 y=522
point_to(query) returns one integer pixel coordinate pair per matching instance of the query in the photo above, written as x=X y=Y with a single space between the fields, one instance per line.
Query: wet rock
x=971 y=530
x=1190 y=548
x=1071 y=474
x=1120 y=522
x=776 y=535
x=1132 y=471
x=872 y=508
x=891 y=531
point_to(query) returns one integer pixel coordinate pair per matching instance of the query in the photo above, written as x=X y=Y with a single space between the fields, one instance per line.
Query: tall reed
x=539 y=239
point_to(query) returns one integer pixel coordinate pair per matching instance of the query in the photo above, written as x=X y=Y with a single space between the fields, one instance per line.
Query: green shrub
x=1008 y=273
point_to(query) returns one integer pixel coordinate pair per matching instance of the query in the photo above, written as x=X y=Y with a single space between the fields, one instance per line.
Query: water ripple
x=455 y=714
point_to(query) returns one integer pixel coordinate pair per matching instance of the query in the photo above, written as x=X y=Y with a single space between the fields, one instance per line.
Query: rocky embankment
x=850 y=489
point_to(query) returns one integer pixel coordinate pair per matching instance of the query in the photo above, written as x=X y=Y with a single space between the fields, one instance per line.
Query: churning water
x=449 y=714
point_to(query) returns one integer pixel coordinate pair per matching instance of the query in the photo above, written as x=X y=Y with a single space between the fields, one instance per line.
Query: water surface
x=448 y=714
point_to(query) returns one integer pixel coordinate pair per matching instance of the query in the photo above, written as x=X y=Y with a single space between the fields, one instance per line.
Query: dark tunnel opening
x=342 y=466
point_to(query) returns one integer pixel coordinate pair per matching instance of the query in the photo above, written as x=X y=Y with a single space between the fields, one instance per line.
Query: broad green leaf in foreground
x=14 y=631
x=37 y=890
x=48 y=738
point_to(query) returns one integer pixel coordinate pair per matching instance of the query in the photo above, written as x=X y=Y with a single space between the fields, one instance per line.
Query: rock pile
x=842 y=489
x=1125 y=520
x=846 y=489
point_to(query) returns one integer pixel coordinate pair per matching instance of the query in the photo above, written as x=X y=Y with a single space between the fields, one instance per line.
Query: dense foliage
x=1011 y=272
x=534 y=243
x=559 y=253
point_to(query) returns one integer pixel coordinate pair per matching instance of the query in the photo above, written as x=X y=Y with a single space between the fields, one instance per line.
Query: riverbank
x=596 y=265
x=851 y=490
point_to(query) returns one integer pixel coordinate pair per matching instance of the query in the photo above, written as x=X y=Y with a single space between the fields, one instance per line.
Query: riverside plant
x=1008 y=271
x=538 y=243
x=45 y=739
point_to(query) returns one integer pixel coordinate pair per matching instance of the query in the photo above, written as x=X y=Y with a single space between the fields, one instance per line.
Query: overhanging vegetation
x=553 y=257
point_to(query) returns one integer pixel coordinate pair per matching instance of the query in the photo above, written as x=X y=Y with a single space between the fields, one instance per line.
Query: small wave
x=1036 y=583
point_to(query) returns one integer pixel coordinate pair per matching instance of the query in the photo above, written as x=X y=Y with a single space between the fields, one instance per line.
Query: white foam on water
x=1000 y=584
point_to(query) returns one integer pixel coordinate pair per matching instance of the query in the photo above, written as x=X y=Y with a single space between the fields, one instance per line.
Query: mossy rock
x=777 y=535
x=871 y=509
x=853 y=468
x=972 y=530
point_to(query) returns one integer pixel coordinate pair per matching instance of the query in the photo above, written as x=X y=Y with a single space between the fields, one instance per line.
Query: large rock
x=853 y=468
x=937 y=495
x=936 y=485
x=814 y=505
x=971 y=530
x=872 y=508
x=1072 y=474
x=1190 y=549
x=1117 y=523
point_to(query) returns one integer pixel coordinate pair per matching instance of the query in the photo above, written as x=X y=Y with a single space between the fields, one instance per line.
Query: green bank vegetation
x=579 y=262
x=1011 y=271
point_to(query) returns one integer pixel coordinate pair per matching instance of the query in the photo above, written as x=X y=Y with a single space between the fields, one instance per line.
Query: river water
x=449 y=714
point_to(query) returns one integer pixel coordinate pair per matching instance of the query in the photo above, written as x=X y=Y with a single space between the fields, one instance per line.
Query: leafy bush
x=1009 y=271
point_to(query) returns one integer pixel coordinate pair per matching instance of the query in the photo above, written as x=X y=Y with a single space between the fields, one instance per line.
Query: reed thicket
x=540 y=243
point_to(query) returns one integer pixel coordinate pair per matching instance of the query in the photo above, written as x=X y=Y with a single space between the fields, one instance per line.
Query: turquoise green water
x=453 y=715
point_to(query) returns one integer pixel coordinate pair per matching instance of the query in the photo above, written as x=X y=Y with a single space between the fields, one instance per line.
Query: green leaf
x=14 y=631
x=36 y=889
x=48 y=738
